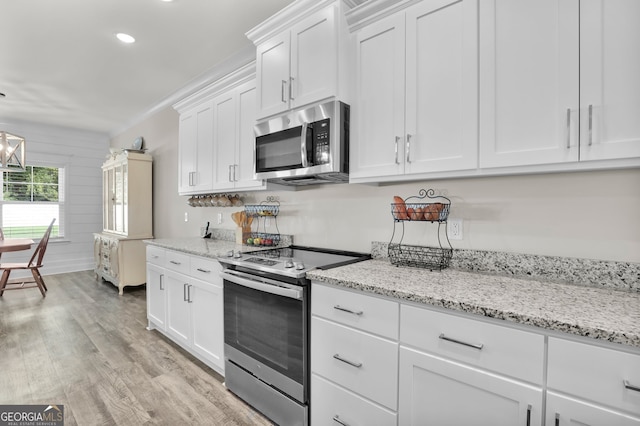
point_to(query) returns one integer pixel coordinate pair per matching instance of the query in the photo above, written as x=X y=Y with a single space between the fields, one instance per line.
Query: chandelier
x=12 y=152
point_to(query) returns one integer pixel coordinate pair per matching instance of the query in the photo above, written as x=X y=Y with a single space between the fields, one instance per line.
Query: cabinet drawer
x=155 y=255
x=329 y=402
x=497 y=348
x=368 y=313
x=206 y=269
x=367 y=364
x=178 y=262
x=594 y=373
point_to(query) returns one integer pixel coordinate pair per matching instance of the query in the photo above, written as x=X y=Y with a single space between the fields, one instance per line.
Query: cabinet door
x=196 y=149
x=207 y=321
x=224 y=140
x=245 y=148
x=442 y=86
x=156 y=308
x=609 y=79
x=187 y=151
x=272 y=69
x=448 y=393
x=314 y=58
x=378 y=142
x=178 y=317
x=528 y=82
x=565 y=411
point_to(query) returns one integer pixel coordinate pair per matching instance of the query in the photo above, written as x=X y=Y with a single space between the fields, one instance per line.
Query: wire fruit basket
x=425 y=207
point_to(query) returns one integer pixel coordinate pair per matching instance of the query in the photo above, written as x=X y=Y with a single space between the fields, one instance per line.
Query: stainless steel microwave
x=304 y=147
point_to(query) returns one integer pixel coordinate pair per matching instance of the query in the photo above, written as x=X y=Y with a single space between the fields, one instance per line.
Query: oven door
x=265 y=330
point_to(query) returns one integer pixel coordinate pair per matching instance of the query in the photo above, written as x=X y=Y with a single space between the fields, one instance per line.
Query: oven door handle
x=262 y=284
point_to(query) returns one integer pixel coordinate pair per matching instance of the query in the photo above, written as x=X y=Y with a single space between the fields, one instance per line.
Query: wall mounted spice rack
x=424 y=207
x=262 y=215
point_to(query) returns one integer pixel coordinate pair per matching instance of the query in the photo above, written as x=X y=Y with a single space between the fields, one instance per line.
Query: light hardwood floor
x=87 y=348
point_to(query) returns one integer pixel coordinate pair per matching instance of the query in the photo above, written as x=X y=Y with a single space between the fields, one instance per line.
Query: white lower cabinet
x=566 y=411
x=438 y=391
x=592 y=385
x=354 y=358
x=334 y=405
x=184 y=302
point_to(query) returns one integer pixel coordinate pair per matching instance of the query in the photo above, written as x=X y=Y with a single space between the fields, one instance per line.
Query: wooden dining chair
x=33 y=265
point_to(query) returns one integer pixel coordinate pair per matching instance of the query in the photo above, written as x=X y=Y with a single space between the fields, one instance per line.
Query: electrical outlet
x=219 y=218
x=454 y=229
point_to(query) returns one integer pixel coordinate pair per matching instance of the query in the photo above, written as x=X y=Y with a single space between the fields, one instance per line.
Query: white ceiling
x=61 y=64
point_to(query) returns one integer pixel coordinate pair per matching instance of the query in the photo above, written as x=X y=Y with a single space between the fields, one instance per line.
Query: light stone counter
x=598 y=313
x=207 y=247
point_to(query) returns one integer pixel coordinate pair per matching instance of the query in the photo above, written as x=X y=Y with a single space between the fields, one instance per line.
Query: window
x=30 y=200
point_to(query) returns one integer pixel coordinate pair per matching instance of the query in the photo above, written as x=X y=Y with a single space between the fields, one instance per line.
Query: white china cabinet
x=558 y=81
x=416 y=109
x=300 y=56
x=127 y=219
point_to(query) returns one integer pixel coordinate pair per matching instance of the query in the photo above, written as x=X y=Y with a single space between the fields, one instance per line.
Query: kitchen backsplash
x=604 y=274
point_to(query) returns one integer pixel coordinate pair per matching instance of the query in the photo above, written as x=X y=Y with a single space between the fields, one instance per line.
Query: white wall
x=585 y=214
x=82 y=154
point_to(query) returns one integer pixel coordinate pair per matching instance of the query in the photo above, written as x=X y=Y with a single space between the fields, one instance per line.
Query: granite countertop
x=598 y=313
x=206 y=247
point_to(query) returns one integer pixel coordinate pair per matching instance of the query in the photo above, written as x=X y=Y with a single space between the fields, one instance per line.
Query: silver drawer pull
x=340 y=422
x=629 y=386
x=460 y=342
x=206 y=271
x=346 y=361
x=529 y=415
x=174 y=262
x=340 y=308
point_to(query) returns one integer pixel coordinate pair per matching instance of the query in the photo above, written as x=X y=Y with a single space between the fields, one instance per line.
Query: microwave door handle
x=303 y=144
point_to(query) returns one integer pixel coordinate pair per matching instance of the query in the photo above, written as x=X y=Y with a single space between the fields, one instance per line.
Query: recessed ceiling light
x=125 y=38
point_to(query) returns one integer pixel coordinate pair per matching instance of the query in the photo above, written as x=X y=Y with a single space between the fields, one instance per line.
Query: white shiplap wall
x=82 y=154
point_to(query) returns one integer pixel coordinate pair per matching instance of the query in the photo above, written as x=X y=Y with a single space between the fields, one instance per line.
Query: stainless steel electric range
x=267 y=323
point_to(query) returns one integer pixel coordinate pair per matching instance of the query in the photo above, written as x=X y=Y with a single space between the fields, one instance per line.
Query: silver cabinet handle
x=284 y=83
x=529 y=415
x=408 y=148
x=557 y=422
x=230 y=180
x=161 y=281
x=346 y=361
x=191 y=179
x=184 y=291
x=340 y=308
x=629 y=386
x=206 y=271
x=291 y=88
x=174 y=262
x=568 y=128
x=189 y=294
x=397 y=140
x=590 y=124
x=340 y=422
x=235 y=177
x=303 y=144
x=460 y=342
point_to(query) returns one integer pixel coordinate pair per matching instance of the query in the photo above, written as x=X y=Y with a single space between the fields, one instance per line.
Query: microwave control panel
x=321 y=141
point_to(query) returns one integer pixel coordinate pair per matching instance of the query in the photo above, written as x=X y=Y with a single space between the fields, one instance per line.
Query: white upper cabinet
x=417 y=92
x=195 y=150
x=609 y=79
x=233 y=141
x=558 y=81
x=216 y=139
x=297 y=57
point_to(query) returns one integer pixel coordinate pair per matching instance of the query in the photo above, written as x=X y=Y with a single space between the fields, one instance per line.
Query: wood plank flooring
x=87 y=348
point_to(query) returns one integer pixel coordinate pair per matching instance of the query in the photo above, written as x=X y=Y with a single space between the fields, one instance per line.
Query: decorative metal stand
x=425 y=207
x=261 y=213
